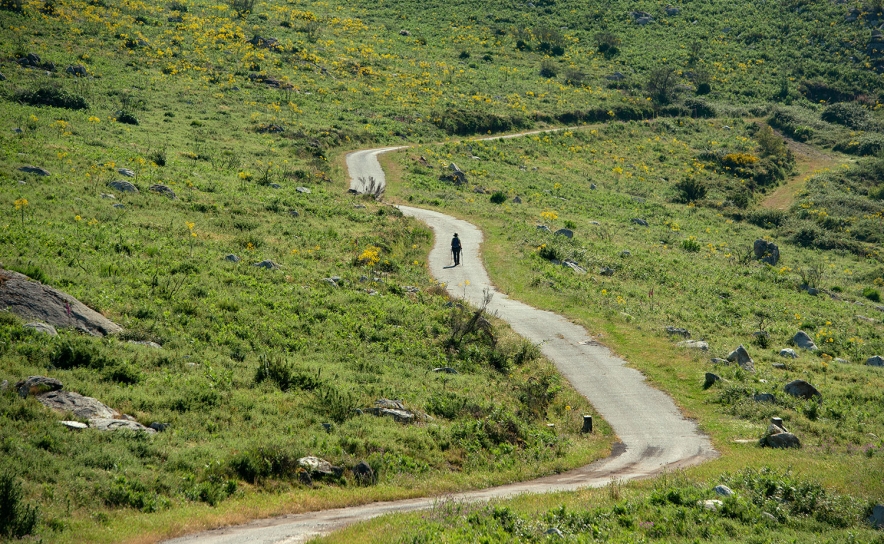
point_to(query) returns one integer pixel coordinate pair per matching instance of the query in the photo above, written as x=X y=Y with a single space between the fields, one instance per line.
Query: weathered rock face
x=723 y=490
x=767 y=252
x=877 y=517
x=782 y=440
x=710 y=380
x=77 y=404
x=567 y=233
x=802 y=389
x=764 y=397
x=364 y=473
x=741 y=357
x=788 y=352
x=804 y=341
x=37 y=385
x=31 y=299
x=163 y=190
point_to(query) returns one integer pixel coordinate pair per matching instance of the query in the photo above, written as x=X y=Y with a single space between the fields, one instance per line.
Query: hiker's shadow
x=447 y=267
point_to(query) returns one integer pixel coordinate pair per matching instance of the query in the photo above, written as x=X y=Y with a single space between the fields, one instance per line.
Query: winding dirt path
x=653 y=434
x=809 y=161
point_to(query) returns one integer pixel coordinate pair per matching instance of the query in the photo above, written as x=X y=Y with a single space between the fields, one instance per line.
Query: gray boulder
x=111 y=424
x=672 y=11
x=35 y=170
x=769 y=517
x=877 y=360
x=606 y=271
x=644 y=21
x=767 y=252
x=123 y=186
x=457 y=175
x=779 y=366
x=554 y=531
x=781 y=440
x=77 y=404
x=232 y=258
x=804 y=341
x=711 y=504
x=76 y=70
x=723 y=490
x=802 y=389
x=303 y=190
x=639 y=221
x=159 y=427
x=684 y=333
x=574 y=266
x=741 y=357
x=268 y=264
x=37 y=385
x=517 y=200
x=693 y=344
x=544 y=228
x=41 y=328
x=764 y=397
x=445 y=369
x=126 y=172
x=163 y=190
x=315 y=464
x=33 y=300
x=567 y=233
x=710 y=380
x=877 y=517
x=364 y=474
x=392 y=408
x=788 y=352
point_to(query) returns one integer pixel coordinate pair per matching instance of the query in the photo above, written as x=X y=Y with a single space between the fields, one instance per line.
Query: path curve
x=654 y=436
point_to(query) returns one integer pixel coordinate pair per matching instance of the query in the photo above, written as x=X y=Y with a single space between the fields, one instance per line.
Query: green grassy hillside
x=236 y=105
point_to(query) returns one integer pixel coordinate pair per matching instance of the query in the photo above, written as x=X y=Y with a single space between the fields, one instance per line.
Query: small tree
x=662 y=84
x=690 y=189
x=771 y=145
x=607 y=43
x=547 y=68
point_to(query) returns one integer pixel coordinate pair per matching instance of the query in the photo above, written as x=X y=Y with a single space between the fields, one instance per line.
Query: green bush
x=17 y=519
x=872 y=294
x=280 y=372
x=48 y=95
x=691 y=245
x=470 y=121
x=32 y=271
x=849 y=114
x=134 y=494
x=260 y=463
x=767 y=219
x=690 y=190
x=78 y=353
x=498 y=197
x=699 y=108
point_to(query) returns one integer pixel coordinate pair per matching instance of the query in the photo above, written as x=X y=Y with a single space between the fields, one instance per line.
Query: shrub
x=471 y=121
x=607 y=43
x=498 y=197
x=49 y=95
x=868 y=144
x=736 y=160
x=769 y=142
x=17 y=519
x=690 y=244
x=550 y=253
x=338 y=406
x=699 y=108
x=547 y=68
x=767 y=219
x=280 y=372
x=127 y=118
x=134 y=494
x=575 y=76
x=78 y=353
x=849 y=114
x=690 y=189
x=872 y=294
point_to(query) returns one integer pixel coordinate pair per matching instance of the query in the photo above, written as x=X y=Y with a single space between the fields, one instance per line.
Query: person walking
x=455 y=249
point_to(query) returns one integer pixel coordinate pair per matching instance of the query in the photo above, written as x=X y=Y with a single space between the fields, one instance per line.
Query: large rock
x=37 y=385
x=804 y=341
x=877 y=360
x=723 y=490
x=110 y=424
x=877 y=517
x=782 y=440
x=392 y=408
x=364 y=474
x=694 y=344
x=567 y=233
x=35 y=170
x=33 y=300
x=164 y=190
x=710 y=380
x=77 y=404
x=767 y=252
x=457 y=175
x=788 y=352
x=741 y=357
x=123 y=186
x=802 y=389
x=317 y=466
